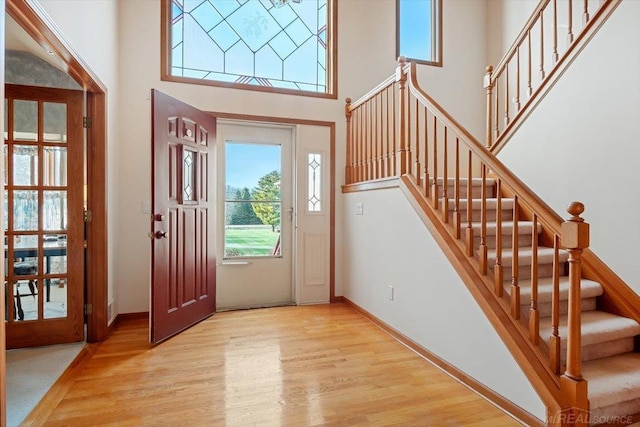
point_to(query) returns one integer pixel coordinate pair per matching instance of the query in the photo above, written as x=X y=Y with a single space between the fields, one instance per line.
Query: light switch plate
x=146 y=207
x=359 y=208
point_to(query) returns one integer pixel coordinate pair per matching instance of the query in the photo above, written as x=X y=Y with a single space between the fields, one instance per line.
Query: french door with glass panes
x=43 y=216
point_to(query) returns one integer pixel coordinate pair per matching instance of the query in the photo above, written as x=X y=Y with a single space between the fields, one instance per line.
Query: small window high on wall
x=419 y=31
x=284 y=46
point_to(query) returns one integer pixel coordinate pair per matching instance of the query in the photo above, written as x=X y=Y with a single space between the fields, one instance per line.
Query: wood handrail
x=423 y=135
x=551 y=218
x=521 y=36
x=497 y=134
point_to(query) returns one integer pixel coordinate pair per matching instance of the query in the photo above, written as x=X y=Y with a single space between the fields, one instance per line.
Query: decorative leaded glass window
x=314 y=178
x=269 y=45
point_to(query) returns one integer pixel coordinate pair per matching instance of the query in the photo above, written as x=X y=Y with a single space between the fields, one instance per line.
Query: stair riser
x=476 y=191
x=524 y=271
x=476 y=215
x=604 y=349
x=524 y=240
x=587 y=304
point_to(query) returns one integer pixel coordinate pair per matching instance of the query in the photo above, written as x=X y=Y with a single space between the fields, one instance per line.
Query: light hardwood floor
x=288 y=366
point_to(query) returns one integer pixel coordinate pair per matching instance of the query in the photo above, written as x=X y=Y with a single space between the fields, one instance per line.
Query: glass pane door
x=43 y=192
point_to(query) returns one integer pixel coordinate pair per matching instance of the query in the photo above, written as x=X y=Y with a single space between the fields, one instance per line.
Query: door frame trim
x=332 y=178
x=34 y=20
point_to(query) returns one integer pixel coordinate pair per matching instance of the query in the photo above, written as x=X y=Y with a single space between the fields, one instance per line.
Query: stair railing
x=555 y=30
x=397 y=130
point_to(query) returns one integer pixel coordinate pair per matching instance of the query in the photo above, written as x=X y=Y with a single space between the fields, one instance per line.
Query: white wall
x=365 y=58
x=389 y=245
x=91 y=28
x=583 y=142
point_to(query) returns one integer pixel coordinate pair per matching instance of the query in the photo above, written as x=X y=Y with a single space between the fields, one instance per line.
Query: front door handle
x=161 y=234
x=290 y=210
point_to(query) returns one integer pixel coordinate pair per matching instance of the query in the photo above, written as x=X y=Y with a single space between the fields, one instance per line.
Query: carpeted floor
x=30 y=374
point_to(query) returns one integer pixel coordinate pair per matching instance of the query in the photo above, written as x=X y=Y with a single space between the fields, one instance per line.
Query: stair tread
x=545 y=256
x=613 y=379
x=597 y=327
x=588 y=289
x=524 y=227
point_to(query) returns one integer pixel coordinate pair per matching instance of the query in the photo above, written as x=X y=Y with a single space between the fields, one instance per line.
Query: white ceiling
x=17 y=38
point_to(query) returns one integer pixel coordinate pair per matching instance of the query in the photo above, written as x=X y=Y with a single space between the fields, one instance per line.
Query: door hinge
x=88 y=309
x=87 y=215
x=86 y=122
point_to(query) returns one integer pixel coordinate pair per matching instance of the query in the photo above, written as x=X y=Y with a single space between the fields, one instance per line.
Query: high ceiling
x=17 y=39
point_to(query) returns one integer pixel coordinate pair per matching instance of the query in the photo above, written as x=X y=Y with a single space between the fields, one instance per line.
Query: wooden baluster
x=506 y=96
x=529 y=87
x=496 y=119
x=401 y=77
x=418 y=169
x=542 y=73
x=445 y=179
x=488 y=85
x=585 y=13
x=534 y=314
x=426 y=154
x=372 y=154
x=517 y=99
x=434 y=193
x=409 y=139
x=515 y=287
x=555 y=341
x=498 y=275
x=575 y=238
x=365 y=159
x=395 y=117
x=363 y=143
x=374 y=137
x=349 y=160
x=469 y=232
x=456 y=190
x=380 y=142
x=570 y=29
x=388 y=162
x=358 y=147
x=555 y=32
x=482 y=250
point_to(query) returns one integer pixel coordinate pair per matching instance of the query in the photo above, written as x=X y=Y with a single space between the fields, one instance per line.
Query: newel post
x=348 y=173
x=403 y=155
x=488 y=85
x=575 y=238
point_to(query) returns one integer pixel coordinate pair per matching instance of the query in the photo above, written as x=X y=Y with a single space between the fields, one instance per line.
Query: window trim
x=436 y=35
x=332 y=59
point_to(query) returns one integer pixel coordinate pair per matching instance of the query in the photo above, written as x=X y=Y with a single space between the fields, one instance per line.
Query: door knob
x=159 y=217
x=161 y=234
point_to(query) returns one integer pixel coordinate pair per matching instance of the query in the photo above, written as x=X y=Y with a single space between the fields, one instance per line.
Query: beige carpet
x=30 y=374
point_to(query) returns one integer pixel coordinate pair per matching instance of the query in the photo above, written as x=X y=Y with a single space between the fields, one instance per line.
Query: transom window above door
x=270 y=45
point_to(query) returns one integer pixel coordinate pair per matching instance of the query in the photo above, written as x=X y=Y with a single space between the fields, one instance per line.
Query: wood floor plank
x=288 y=366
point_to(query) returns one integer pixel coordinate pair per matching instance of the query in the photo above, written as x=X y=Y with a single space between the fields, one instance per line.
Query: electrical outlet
x=360 y=208
x=390 y=292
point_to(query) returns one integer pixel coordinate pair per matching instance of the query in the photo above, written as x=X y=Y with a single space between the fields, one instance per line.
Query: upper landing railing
x=556 y=31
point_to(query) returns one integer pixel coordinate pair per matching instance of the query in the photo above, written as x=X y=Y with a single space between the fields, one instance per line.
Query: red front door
x=183 y=278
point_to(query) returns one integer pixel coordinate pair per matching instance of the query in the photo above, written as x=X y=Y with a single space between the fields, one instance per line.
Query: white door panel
x=313 y=160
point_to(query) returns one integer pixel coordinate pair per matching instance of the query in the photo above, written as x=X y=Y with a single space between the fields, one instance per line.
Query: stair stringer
x=528 y=356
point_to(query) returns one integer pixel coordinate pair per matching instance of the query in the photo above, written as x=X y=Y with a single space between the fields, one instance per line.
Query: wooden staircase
x=562 y=313
x=610 y=364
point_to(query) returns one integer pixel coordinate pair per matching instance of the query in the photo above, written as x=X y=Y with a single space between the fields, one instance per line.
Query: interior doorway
x=43 y=216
